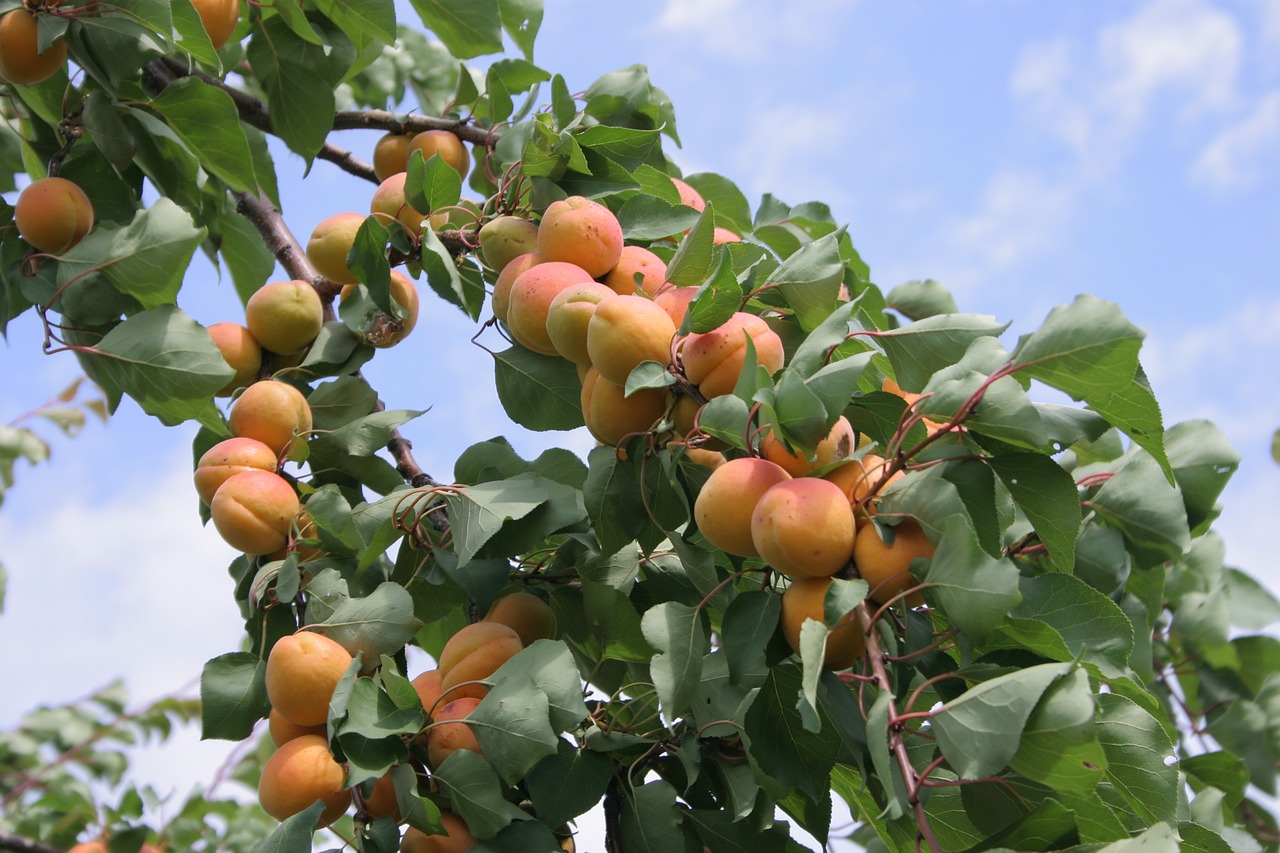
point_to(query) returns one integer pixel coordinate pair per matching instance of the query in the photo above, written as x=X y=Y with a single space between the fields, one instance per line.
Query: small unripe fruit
x=530 y=300
x=804 y=527
x=625 y=331
x=837 y=445
x=886 y=566
x=274 y=413
x=450 y=148
x=506 y=238
x=284 y=316
x=226 y=459
x=254 y=510
x=302 y=671
x=283 y=730
x=526 y=614
x=637 y=260
x=241 y=351
x=391 y=155
x=21 y=61
x=299 y=773
x=330 y=242
x=449 y=734
x=713 y=360
x=52 y=214
x=805 y=599
x=728 y=497
x=582 y=232
x=611 y=416
x=219 y=18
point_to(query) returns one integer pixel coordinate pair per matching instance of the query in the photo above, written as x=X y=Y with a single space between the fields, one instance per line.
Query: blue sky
x=1020 y=152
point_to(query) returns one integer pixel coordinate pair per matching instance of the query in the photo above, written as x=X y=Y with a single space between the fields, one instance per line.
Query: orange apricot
x=837 y=445
x=803 y=527
x=569 y=315
x=21 y=60
x=456 y=838
x=241 y=351
x=381 y=801
x=675 y=301
x=526 y=614
x=283 y=730
x=330 y=242
x=378 y=328
x=219 y=18
x=580 y=231
x=472 y=654
x=284 y=316
x=637 y=260
x=505 y=238
x=302 y=671
x=724 y=235
x=449 y=734
x=724 y=506
x=506 y=278
x=390 y=204
x=228 y=458
x=299 y=773
x=624 y=331
x=450 y=148
x=885 y=566
x=427 y=686
x=52 y=214
x=253 y=511
x=805 y=599
x=272 y=412
x=391 y=154
x=713 y=360
x=530 y=298
x=689 y=196
x=611 y=416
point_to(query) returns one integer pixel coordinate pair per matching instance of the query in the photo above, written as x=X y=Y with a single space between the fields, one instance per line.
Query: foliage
x=1079 y=676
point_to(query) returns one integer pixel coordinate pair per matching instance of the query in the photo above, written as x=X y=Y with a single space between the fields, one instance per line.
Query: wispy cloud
x=749 y=29
x=1233 y=158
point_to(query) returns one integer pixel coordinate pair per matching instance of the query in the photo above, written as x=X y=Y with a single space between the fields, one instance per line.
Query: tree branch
x=18 y=844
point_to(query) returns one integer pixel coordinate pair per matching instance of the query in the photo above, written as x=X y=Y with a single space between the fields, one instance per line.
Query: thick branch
x=18 y=844
x=400 y=123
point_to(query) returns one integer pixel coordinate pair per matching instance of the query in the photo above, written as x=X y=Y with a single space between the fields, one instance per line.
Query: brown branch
x=18 y=844
x=383 y=120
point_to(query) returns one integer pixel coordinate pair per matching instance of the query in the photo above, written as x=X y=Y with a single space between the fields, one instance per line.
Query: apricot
x=859 y=477
x=837 y=445
x=302 y=671
x=378 y=328
x=892 y=387
x=21 y=61
x=530 y=301
x=299 y=773
x=381 y=801
x=95 y=846
x=689 y=196
x=330 y=242
x=804 y=599
x=611 y=416
x=724 y=235
x=713 y=360
x=637 y=260
x=389 y=204
x=474 y=654
x=885 y=566
x=283 y=730
x=675 y=301
x=284 y=316
x=253 y=511
x=226 y=459
x=526 y=614
x=52 y=214
x=580 y=231
x=427 y=685
x=803 y=527
x=272 y=412
x=506 y=278
x=450 y=148
x=712 y=459
x=457 y=838
x=569 y=315
x=449 y=734
x=724 y=506
x=391 y=154
x=219 y=18
x=625 y=331
x=505 y=238
x=241 y=351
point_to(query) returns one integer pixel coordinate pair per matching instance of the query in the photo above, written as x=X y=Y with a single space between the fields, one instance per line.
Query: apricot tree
x=830 y=544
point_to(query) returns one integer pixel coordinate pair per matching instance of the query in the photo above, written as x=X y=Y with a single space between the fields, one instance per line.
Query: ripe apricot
x=284 y=316
x=302 y=671
x=299 y=773
x=506 y=278
x=390 y=204
x=530 y=300
x=713 y=360
x=611 y=416
x=625 y=331
x=449 y=734
x=274 y=413
x=526 y=614
x=21 y=61
x=457 y=838
x=473 y=654
x=803 y=527
x=239 y=349
x=283 y=730
x=724 y=235
x=391 y=154
x=689 y=196
x=837 y=445
x=330 y=242
x=219 y=18
x=569 y=315
x=253 y=511
x=52 y=214
x=450 y=148
x=580 y=231
x=378 y=328
x=228 y=458
x=724 y=505
x=859 y=479
x=95 y=846
x=886 y=566
x=637 y=260
x=805 y=599
x=427 y=685
x=381 y=801
x=505 y=238
x=675 y=301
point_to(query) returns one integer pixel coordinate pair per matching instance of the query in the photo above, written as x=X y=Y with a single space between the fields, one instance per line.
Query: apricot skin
x=241 y=351
x=271 y=412
x=611 y=416
x=391 y=155
x=625 y=331
x=837 y=445
x=52 y=214
x=804 y=527
x=506 y=238
x=21 y=62
x=299 y=773
x=253 y=511
x=689 y=196
x=228 y=458
x=724 y=506
x=219 y=18
x=284 y=316
x=582 y=232
x=569 y=315
x=427 y=686
x=804 y=599
x=451 y=149
x=457 y=837
x=449 y=734
x=330 y=242
x=858 y=478
x=302 y=671
x=530 y=301
x=283 y=730
x=473 y=654
x=713 y=360
x=389 y=204
x=526 y=614
x=506 y=278
x=675 y=301
x=380 y=329
x=885 y=567
x=637 y=260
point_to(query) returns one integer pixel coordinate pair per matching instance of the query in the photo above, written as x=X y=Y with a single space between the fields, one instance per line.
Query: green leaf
x=810 y=280
x=478 y=512
x=377 y=624
x=920 y=349
x=781 y=746
x=293 y=835
x=375 y=19
x=676 y=631
x=973 y=588
x=431 y=184
x=979 y=732
x=733 y=209
x=648 y=374
x=613 y=499
x=521 y=19
x=749 y=623
x=1091 y=624
x=647 y=217
x=206 y=120
x=369 y=434
x=651 y=820
x=1049 y=498
x=693 y=261
x=468 y=28
x=1138 y=757
x=1146 y=508
x=569 y=783
x=1059 y=746
x=513 y=725
x=1203 y=461
x=716 y=301
x=233 y=696
x=1252 y=606
x=476 y=793
x=539 y=392
x=337 y=403
x=919 y=299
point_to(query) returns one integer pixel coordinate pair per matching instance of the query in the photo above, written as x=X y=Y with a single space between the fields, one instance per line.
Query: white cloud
x=1231 y=159
x=749 y=29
